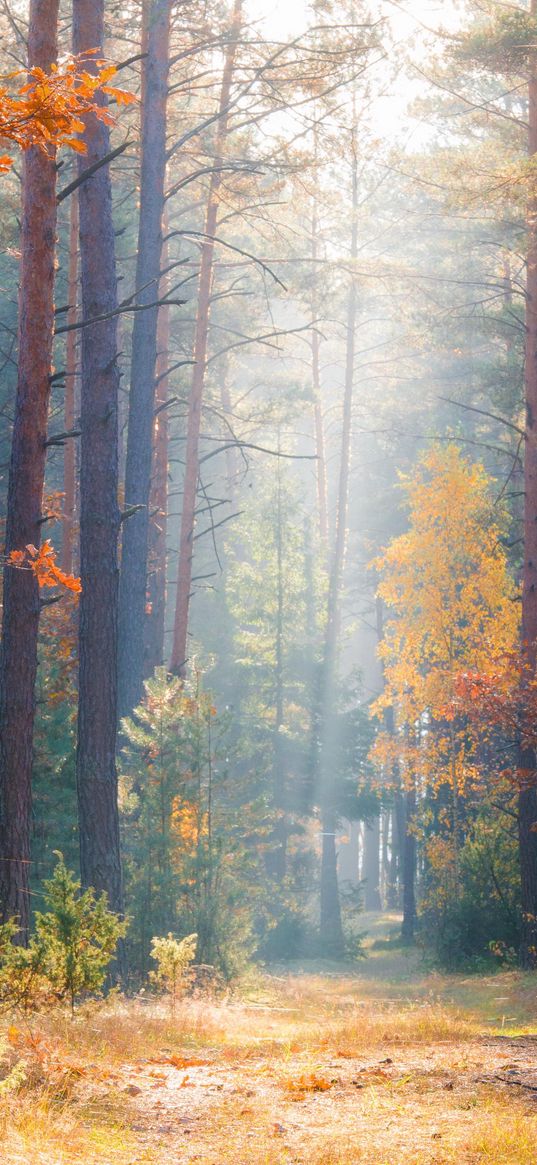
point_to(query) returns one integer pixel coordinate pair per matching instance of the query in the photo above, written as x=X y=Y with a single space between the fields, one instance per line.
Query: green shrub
x=68 y=955
x=172 y=956
x=473 y=921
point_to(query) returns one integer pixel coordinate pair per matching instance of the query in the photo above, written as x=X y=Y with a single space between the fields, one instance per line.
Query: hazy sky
x=282 y=17
x=412 y=22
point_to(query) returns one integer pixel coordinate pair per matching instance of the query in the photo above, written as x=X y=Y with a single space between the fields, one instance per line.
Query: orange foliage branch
x=47 y=110
x=502 y=703
x=43 y=563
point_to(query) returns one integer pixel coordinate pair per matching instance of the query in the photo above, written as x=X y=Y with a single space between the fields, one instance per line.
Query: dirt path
x=390 y=1066
x=423 y=1104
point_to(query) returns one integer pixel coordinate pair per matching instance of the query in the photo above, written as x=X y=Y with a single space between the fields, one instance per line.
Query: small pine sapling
x=24 y=986
x=172 y=956
x=68 y=955
x=78 y=934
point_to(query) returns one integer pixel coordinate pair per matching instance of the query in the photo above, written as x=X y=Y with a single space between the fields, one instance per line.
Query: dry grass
x=505 y=1138
x=313 y=1068
x=36 y=1127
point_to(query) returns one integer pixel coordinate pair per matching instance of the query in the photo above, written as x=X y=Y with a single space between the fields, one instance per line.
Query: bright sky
x=284 y=17
x=412 y=22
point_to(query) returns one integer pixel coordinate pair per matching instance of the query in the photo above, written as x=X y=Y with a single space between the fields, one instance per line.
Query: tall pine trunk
x=409 y=866
x=527 y=801
x=69 y=459
x=190 y=481
x=157 y=559
x=280 y=839
x=331 y=930
x=26 y=478
x=133 y=584
x=372 y=899
x=99 y=511
x=318 y=420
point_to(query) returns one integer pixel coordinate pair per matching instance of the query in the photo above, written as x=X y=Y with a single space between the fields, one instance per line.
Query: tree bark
x=179 y=653
x=27 y=471
x=409 y=868
x=331 y=930
x=391 y=866
x=348 y=857
x=279 y=854
x=527 y=801
x=372 y=865
x=69 y=457
x=133 y=583
x=394 y=779
x=100 y=864
x=157 y=560
x=398 y=834
x=385 y=869
x=318 y=420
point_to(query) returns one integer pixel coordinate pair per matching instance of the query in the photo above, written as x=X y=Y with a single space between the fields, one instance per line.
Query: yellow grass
x=388 y=1065
x=36 y=1129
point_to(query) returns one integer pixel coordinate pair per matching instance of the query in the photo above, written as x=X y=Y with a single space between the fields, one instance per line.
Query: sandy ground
x=390 y=1104
x=392 y=1108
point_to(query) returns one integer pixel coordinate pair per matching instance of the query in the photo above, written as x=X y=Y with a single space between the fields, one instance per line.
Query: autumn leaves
x=43 y=563
x=48 y=110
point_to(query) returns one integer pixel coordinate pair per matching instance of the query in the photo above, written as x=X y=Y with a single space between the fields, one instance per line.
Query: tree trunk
x=190 y=481
x=99 y=512
x=409 y=868
x=385 y=869
x=394 y=778
x=331 y=928
x=372 y=865
x=318 y=420
x=527 y=806
x=157 y=560
x=399 y=827
x=279 y=855
x=26 y=477
x=69 y=457
x=392 y=862
x=133 y=583
x=232 y=467
x=349 y=855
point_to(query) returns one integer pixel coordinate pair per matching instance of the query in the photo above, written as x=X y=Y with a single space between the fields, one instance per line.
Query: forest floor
x=387 y=1064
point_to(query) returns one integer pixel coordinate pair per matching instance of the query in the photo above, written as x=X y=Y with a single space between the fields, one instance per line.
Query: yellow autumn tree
x=450 y=599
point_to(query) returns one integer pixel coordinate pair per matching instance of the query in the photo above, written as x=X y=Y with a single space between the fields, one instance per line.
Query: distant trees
x=446 y=585
x=272 y=588
x=188 y=826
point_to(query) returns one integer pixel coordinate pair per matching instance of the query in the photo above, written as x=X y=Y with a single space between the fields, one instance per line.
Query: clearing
x=388 y=1065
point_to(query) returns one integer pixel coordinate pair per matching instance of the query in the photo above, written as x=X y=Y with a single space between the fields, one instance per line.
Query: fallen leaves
x=181 y=1061
x=373 y=1074
x=298 y=1087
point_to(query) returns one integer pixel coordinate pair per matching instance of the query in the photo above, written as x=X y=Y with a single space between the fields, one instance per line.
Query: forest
x=268 y=656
